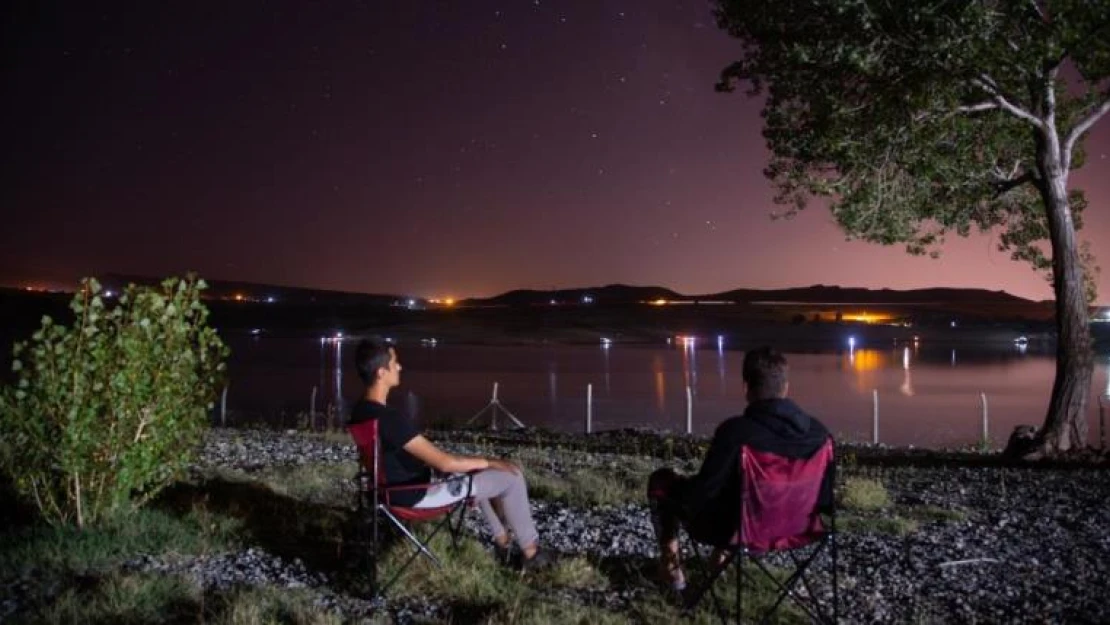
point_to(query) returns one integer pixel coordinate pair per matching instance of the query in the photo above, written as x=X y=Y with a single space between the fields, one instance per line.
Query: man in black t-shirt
x=408 y=458
x=708 y=502
x=401 y=467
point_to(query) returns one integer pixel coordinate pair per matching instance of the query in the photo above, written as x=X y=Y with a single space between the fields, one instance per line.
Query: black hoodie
x=776 y=426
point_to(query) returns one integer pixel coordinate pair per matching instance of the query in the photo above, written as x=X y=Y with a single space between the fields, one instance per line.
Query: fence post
x=312 y=410
x=986 y=419
x=493 y=413
x=1102 y=422
x=589 y=407
x=689 y=410
x=223 y=406
x=875 y=416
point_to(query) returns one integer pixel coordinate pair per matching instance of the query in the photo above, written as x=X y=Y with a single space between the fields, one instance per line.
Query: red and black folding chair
x=374 y=501
x=780 y=511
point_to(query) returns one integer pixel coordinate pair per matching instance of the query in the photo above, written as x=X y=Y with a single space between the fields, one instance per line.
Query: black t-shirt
x=401 y=467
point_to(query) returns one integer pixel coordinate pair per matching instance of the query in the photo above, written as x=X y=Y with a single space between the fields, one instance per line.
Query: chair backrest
x=779 y=499
x=366 y=438
x=365 y=435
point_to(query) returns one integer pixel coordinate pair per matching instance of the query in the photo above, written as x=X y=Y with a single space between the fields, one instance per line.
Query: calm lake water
x=928 y=395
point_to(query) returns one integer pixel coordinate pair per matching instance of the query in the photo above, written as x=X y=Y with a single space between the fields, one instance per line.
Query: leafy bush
x=105 y=414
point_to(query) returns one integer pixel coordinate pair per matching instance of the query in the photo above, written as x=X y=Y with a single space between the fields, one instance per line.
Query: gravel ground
x=1032 y=544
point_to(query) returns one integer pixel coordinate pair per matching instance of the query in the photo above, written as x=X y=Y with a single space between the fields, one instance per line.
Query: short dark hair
x=765 y=373
x=370 y=355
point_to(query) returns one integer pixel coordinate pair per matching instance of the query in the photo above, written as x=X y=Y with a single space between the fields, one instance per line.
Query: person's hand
x=503 y=465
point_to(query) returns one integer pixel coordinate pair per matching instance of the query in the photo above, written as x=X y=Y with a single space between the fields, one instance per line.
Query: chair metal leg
x=835 y=581
x=421 y=546
x=456 y=526
x=420 y=549
x=369 y=538
x=713 y=571
x=740 y=587
x=787 y=588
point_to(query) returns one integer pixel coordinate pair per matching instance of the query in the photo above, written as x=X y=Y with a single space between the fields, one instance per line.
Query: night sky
x=453 y=148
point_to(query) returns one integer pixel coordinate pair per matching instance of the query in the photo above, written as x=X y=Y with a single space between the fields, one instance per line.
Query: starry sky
x=429 y=148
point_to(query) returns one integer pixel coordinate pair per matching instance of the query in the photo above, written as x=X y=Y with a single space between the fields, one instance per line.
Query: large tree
x=921 y=118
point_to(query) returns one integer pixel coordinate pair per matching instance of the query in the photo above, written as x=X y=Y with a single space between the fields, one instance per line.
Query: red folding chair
x=780 y=511
x=374 y=500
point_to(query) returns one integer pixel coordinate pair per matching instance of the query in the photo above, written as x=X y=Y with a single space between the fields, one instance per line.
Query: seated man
x=708 y=503
x=408 y=457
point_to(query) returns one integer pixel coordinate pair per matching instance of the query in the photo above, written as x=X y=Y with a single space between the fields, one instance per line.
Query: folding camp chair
x=374 y=502
x=780 y=511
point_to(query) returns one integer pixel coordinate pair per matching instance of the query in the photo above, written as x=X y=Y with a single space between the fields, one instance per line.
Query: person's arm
x=721 y=462
x=826 y=500
x=446 y=462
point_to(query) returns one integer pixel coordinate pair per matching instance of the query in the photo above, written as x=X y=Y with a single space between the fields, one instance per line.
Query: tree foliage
x=105 y=413
x=919 y=119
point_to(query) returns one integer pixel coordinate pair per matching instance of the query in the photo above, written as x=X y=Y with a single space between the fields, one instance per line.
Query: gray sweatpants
x=509 y=489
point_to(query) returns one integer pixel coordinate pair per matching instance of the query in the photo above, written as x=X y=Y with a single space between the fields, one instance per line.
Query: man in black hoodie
x=708 y=503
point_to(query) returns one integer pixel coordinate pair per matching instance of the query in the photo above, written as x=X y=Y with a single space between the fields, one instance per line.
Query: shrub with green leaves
x=106 y=413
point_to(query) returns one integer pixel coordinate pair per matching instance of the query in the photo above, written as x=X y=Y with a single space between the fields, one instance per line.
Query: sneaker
x=542 y=560
x=672 y=577
x=503 y=555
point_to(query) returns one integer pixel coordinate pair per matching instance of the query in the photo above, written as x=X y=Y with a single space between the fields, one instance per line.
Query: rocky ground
x=1027 y=544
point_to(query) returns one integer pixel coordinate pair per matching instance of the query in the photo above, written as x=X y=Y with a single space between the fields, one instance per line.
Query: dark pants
x=665 y=490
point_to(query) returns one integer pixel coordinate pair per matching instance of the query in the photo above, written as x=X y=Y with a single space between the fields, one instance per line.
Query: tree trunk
x=1065 y=424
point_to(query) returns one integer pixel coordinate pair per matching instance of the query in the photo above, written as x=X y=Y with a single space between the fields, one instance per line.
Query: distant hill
x=616 y=294
x=624 y=294
x=250 y=291
x=853 y=295
x=609 y=294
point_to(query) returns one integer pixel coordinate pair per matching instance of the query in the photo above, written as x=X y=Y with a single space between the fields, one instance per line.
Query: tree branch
x=1083 y=126
x=1038 y=10
x=1002 y=186
x=988 y=85
x=1002 y=175
x=975 y=108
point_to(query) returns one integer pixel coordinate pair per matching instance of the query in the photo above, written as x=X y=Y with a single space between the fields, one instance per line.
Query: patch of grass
x=155 y=598
x=551 y=613
x=596 y=487
x=329 y=484
x=469 y=574
x=864 y=494
x=935 y=513
x=893 y=525
x=120 y=598
x=67 y=550
x=334 y=437
x=582 y=488
x=546 y=484
x=577 y=572
x=759 y=595
x=586 y=487
x=268 y=604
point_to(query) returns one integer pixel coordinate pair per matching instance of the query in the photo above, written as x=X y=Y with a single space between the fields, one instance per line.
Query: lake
x=928 y=395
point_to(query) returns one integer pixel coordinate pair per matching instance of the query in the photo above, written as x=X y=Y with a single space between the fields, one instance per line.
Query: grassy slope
x=304 y=512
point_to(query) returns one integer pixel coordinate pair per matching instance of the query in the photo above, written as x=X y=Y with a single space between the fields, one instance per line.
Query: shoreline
x=970 y=541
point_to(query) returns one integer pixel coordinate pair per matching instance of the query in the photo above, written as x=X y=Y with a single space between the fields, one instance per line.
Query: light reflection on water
x=928 y=396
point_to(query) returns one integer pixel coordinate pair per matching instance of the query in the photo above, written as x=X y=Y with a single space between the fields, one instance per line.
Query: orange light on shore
x=871 y=318
x=659 y=302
